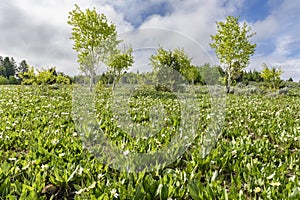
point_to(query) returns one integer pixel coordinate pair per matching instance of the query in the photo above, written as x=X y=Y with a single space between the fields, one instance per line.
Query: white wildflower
x=100 y=176
x=93 y=185
x=44 y=166
x=61 y=154
x=114 y=193
x=17 y=169
x=80 y=191
x=275 y=184
x=80 y=170
x=233 y=153
x=26 y=167
x=271 y=176
x=257 y=190
x=125 y=153
x=55 y=141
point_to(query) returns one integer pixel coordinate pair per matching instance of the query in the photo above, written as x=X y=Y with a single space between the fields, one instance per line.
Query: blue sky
x=254 y=10
x=37 y=30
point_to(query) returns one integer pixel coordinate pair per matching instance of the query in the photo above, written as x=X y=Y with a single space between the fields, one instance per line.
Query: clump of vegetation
x=3 y=80
x=43 y=77
x=271 y=77
x=248 y=90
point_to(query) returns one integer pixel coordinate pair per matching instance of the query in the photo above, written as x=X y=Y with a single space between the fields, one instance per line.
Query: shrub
x=45 y=77
x=283 y=91
x=12 y=80
x=3 y=80
x=248 y=90
x=271 y=77
x=162 y=88
x=62 y=80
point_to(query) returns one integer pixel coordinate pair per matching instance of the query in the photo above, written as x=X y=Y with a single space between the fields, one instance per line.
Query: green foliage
x=193 y=75
x=7 y=67
x=3 y=80
x=60 y=79
x=43 y=77
x=12 y=80
x=28 y=77
x=249 y=76
x=2 y=71
x=10 y=70
x=249 y=90
x=232 y=47
x=23 y=67
x=271 y=77
x=120 y=62
x=172 y=67
x=211 y=75
x=95 y=40
x=177 y=60
x=42 y=154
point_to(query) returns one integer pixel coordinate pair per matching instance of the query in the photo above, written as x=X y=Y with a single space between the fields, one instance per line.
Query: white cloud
x=38 y=31
x=282 y=45
x=290 y=67
x=265 y=29
x=136 y=11
x=278 y=38
x=195 y=21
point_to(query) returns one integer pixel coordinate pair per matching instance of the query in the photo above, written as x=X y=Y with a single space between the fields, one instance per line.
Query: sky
x=37 y=31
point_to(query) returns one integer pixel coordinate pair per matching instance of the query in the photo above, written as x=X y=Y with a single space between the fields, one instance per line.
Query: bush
x=162 y=88
x=3 y=80
x=12 y=80
x=45 y=77
x=248 y=90
x=62 y=80
x=144 y=90
x=283 y=91
x=198 y=89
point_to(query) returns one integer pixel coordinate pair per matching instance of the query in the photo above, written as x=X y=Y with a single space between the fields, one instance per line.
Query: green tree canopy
x=120 y=62
x=232 y=47
x=95 y=39
x=172 y=67
x=176 y=59
x=271 y=77
x=7 y=67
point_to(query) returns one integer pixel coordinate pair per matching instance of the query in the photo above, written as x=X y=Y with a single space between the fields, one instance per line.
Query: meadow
x=43 y=155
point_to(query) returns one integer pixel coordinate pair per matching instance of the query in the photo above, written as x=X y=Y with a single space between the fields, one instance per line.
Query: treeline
x=22 y=73
x=9 y=70
x=204 y=75
x=199 y=72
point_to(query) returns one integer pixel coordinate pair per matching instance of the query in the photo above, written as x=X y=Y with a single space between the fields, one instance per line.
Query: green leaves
x=120 y=62
x=271 y=77
x=257 y=154
x=172 y=68
x=95 y=40
x=232 y=46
